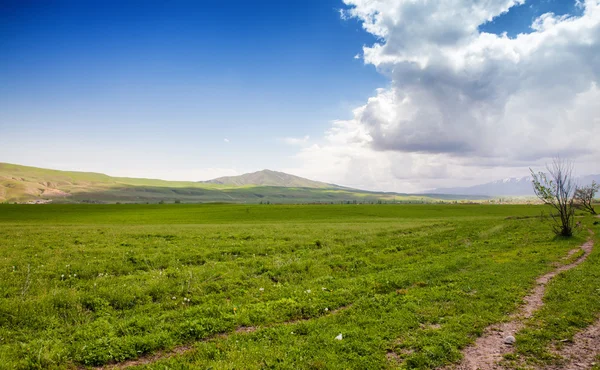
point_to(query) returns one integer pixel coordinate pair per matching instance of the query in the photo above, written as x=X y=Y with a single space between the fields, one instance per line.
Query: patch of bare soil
x=581 y=352
x=180 y=350
x=48 y=192
x=490 y=348
x=393 y=357
x=145 y=360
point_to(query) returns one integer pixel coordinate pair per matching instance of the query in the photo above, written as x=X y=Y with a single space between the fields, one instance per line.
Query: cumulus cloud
x=465 y=104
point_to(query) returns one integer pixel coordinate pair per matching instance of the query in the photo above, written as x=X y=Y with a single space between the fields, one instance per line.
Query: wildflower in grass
x=174 y=298
x=262 y=289
x=308 y=291
x=323 y=289
x=339 y=337
x=326 y=309
x=62 y=276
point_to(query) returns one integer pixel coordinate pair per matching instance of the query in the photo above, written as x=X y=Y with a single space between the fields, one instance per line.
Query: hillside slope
x=270 y=178
x=31 y=184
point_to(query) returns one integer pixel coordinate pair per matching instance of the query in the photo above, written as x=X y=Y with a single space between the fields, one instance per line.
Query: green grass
x=85 y=285
x=596 y=366
x=234 y=213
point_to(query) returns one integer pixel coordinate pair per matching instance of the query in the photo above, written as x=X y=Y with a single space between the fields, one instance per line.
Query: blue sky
x=519 y=18
x=187 y=89
x=162 y=79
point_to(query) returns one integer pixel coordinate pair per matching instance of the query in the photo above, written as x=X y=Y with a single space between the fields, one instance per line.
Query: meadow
x=272 y=286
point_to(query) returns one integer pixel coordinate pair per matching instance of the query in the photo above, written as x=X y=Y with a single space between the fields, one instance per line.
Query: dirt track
x=489 y=349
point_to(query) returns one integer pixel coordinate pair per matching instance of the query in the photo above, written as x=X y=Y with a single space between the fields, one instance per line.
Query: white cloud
x=226 y=140
x=465 y=106
x=344 y=15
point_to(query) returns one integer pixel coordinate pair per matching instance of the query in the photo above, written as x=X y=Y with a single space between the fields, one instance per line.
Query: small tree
x=557 y=189
x=584 y=197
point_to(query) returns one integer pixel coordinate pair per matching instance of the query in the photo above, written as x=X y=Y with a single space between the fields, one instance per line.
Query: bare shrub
x=556 y=188
x=584 y=197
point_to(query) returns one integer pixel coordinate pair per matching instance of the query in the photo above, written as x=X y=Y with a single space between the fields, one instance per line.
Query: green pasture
x=88 y=285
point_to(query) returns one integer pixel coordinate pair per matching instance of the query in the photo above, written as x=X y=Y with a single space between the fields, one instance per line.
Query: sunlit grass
x=571 y=303
x=88 y=285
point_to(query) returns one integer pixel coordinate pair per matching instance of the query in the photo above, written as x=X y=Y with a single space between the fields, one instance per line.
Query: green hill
x=271 y=178
x=31 y=184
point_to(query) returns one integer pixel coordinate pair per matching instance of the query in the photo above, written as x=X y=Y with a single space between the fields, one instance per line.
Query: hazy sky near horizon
x=396 y=95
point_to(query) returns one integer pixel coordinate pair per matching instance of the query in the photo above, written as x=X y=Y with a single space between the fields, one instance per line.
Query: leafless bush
x=584 y=197
x=556 y=188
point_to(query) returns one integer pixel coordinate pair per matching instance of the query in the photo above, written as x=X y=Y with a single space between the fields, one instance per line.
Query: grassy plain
x=87 y=285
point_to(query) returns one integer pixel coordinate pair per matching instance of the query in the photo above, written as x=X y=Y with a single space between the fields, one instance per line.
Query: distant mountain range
x=512 y=186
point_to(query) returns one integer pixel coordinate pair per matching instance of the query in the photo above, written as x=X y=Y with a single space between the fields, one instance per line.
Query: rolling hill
x=271 y=178
x=23 y=184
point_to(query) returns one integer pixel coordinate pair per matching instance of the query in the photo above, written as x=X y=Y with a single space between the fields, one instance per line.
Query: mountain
x=512 y=186
x=271 y=178
x=38 y=185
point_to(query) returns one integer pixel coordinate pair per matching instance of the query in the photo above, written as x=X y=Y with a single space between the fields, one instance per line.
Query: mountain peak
x=268 y=177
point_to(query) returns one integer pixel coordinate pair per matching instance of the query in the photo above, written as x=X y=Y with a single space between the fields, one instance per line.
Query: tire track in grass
x=490 y=348
x=185 y=348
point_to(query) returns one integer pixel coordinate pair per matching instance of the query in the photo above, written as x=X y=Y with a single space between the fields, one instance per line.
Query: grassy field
x=87 y=285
